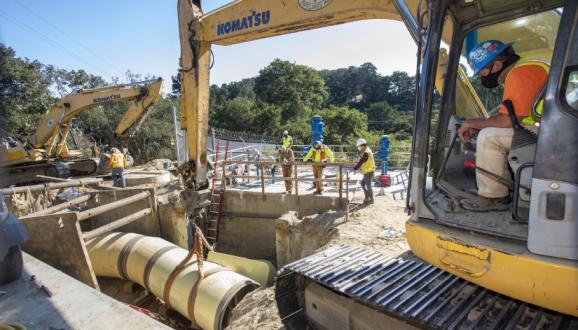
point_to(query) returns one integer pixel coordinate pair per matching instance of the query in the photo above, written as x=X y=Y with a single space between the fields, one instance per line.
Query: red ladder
x=217 y=198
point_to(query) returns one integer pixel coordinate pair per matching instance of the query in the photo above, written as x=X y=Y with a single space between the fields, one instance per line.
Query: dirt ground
x=380 y=227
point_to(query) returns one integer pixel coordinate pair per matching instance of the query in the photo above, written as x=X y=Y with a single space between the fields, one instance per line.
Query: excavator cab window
x=452 y=164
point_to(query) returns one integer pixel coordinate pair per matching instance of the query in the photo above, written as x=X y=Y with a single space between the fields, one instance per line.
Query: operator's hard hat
x=317 y=143
x=361 y=142
x=484 y=53
x=285 y=132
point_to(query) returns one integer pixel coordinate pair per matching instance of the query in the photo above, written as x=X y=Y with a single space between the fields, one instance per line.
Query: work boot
x=483 y=204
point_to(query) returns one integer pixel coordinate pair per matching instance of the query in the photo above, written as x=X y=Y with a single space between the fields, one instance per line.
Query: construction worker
x=366 y=164
x=286 y=140
x=286 y=158
x=117 y=163
x=319 y=153
x=498 y=64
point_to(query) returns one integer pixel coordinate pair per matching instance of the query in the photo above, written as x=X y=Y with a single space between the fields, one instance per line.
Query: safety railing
x=344 y=183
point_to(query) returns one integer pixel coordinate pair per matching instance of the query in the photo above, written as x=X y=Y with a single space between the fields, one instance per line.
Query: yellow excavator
x=510 y=269
x=47 y=151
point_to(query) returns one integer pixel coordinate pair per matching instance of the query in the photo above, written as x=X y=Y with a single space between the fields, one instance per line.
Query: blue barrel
x=317 y=130
x=383 y=153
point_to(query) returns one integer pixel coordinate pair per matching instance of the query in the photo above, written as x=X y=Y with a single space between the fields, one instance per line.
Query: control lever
x=498 y=178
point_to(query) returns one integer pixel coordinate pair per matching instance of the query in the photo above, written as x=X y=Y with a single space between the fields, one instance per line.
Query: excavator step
x=408 y=288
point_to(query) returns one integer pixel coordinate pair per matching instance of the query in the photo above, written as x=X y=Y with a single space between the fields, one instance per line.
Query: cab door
x=553 y=218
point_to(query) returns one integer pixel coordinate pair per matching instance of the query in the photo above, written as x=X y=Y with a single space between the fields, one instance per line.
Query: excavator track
x=26 y=174
x=407 y=289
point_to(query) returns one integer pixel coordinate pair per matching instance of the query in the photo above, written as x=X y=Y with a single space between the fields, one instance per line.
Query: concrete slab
x=70 y=305
x=271 y=205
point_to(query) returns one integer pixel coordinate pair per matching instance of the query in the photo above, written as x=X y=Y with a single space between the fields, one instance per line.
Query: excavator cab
x=508 y=251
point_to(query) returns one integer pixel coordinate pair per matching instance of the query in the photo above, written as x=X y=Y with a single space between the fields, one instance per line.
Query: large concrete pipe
x=149 y=261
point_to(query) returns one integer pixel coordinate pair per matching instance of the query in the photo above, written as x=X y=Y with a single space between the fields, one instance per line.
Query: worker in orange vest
x=117 y=163
x=319 y=154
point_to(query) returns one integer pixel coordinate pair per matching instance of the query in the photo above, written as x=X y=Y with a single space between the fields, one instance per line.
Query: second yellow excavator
x=48 y=152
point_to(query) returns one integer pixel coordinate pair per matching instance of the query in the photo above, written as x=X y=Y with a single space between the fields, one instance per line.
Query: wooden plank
x=149 y=225
x=296 y=182
x=57 y=240
x=340 y=186
x=59 y=207
x=116 y=224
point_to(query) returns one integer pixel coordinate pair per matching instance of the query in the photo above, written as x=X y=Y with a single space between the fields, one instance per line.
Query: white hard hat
x=285 y=132
x=361 y=142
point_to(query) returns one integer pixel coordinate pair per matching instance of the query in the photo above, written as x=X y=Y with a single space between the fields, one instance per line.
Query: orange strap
x=193 y=294
x=197 y=251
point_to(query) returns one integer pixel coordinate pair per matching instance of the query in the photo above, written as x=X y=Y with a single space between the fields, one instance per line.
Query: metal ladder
x=216 y=197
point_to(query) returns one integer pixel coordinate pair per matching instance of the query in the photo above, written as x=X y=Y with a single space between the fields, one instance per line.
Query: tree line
x=355 y=102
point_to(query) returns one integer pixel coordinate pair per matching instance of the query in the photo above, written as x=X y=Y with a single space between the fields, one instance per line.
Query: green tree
x=343 y=124
x=387 y=119
x=354 y=86
x=24 y=93
x=401 y=91
x=297 y=89
x=234 y=114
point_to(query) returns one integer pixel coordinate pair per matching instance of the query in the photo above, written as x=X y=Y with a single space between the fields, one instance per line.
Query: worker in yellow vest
x=319 y=153
x=286 y=140
x=366 y=164
x=117 y=163
x=497 y=63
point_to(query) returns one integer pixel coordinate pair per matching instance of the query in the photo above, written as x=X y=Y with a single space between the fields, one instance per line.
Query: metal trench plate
x=413 y=290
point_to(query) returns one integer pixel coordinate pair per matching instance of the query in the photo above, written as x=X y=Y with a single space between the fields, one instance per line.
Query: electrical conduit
x=149 y=261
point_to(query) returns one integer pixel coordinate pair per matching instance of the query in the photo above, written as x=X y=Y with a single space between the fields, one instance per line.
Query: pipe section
x=149 y=261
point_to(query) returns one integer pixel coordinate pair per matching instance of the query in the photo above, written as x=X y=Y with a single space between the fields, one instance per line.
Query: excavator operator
x=498 y=64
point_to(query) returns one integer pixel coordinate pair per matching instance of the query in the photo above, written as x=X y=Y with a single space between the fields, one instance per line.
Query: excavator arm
x=248 y=20
x=243 y=21
x=144 y=94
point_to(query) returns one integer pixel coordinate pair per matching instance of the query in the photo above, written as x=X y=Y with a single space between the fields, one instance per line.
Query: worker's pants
x=287 y=171
x=493 y=145
x=318 y=174
x=366 y=183
x=118 y=177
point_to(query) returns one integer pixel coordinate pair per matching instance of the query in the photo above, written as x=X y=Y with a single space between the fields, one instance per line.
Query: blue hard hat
x=484 y=53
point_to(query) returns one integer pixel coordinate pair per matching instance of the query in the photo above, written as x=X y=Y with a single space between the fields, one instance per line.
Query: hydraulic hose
x=150 y=261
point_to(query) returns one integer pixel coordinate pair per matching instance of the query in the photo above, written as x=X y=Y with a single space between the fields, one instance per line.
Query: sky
x=109 y=37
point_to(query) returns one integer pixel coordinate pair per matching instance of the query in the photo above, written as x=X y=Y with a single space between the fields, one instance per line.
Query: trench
x=276 y=228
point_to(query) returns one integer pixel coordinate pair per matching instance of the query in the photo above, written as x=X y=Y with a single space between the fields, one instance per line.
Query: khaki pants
x=493 y=145
x=287 y=172
x=318 y=174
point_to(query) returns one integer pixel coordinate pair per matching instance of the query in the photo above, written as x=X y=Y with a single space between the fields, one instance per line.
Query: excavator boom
x=144 y=93
x=47 y=151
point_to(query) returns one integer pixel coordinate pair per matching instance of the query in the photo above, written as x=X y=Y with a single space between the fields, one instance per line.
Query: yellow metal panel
x=542 y=281
x=247 y=20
